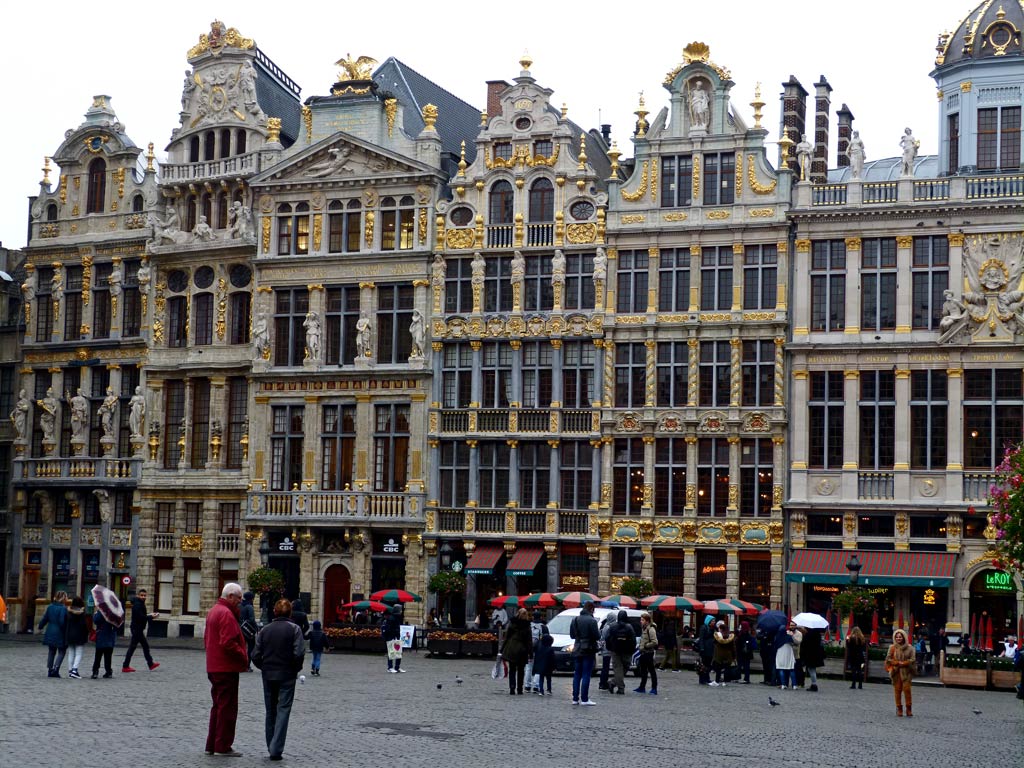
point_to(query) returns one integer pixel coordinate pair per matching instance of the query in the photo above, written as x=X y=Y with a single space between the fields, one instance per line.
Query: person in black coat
x=139 y=625
x=705 y=647
x=391 y=630
x=317 y=643
x=299 y=617
x=812 y=654
x=279 y=653
x=76 y=634
x=247 y=612
x=517 y=649
x=767 y=651
x=543 y=663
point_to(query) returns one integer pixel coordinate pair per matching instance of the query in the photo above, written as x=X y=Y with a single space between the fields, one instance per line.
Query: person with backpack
x=606 y=652
x=622 y=645
x=746 y=644
x=584 y=631
x=538 y=627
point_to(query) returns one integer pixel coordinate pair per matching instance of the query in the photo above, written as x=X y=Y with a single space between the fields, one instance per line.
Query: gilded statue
x=355 y=69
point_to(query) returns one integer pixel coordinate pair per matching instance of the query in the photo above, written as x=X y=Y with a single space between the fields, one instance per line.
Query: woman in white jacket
x=787 y=647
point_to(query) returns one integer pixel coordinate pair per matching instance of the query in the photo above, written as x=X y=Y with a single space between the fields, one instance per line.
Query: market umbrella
x=538 y=600
x=672 y=603
x=747 y=609
x=770 y=621
x=367 y=605
x=988 y=634
x=973 y=632
x=718 y=607
x=504 y=601
x=874 y=628
x=396 y=596
x=622 y=601
x=108 y=604
x=828 y=631
x=810 y=621
x=899 y=621
x=575 y=599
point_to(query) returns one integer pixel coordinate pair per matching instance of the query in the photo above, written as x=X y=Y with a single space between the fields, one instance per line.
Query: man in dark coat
x=299 y=617
x=226 y=657
x=585 y=632
x=139 y=625
x=812 y=654
x=705 y=647
x=247 y=612
x=279 y=653
x=391 y=631
x=764 y=646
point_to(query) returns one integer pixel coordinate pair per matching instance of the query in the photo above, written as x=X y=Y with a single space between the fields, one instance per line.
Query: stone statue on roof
x=910 y=146
x=855 y=152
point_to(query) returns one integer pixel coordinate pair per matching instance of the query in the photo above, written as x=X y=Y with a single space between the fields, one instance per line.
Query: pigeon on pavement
x=772 y=702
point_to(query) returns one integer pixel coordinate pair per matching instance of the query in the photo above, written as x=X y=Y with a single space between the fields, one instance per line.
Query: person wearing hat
x=724 y=654
x=704 y=645
x=787 y=646
x=317 y=643
x=900 y=663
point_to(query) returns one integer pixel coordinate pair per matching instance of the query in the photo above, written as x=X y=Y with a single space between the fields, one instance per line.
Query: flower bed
x=479 y=644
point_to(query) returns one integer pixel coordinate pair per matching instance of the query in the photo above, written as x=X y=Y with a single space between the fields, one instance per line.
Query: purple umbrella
x=108 y=605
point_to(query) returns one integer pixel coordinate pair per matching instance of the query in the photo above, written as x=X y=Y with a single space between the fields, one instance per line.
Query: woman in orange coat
x=900 y=663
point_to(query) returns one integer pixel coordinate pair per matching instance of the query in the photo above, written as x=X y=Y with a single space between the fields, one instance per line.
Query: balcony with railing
x=539 y=235
x=908 y=191
x=880 y=192
x=163 y=542
x=228 y=167
x=519 y=522
x=977 y=485
x=500 y=235
x=354 y=506
x=78 y=469
x=227 y=542
x=513 y=421
x=876 y=485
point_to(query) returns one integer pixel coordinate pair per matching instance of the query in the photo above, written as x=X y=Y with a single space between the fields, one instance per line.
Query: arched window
x=207 y=207
x=193 y=149
x=542 y=201
x=190 y=213
x=501 y=203
x=222 y=211
x=240 y=141
x=138 y=204
x=343 y=226
x=51 y=212
x=225 y=142
x=97 y=186
x=397 y=223
x=209 y=144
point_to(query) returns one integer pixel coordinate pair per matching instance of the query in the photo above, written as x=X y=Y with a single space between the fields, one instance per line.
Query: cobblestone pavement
x=358 y=715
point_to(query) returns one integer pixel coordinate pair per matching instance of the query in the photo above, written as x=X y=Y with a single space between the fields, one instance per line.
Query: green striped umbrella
x=575 y=599
x=721 y=607
x=749 y=609
x=367 y=605
x=396 y=596
x=671 y=603
x=504 y=601
x=538 y=600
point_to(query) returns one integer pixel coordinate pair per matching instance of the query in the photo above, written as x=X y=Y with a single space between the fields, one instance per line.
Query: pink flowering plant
x=1006 y=502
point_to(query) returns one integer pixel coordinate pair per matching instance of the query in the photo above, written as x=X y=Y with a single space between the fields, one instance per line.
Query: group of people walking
x=528 y=650
x=67 y=629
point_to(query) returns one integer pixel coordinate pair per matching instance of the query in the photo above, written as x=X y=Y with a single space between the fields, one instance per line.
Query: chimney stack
x=822 y=105
x=845 y=134
x=793 y=118
x=494 y=90
x=606 y=133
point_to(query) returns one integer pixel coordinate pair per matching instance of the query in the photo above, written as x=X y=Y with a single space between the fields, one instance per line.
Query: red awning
x=525 y=560
x=484 y=558
x=879 y=569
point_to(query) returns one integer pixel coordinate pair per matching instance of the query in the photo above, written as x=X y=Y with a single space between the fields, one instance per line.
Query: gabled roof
x=457 y=121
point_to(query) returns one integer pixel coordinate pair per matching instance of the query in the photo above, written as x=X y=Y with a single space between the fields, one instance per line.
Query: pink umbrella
x=874 y=628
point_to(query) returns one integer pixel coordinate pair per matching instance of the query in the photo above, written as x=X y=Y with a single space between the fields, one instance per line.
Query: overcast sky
x=56 y=56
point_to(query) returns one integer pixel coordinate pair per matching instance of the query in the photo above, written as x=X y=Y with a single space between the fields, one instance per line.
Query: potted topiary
x=268 y=583
x=636 y=587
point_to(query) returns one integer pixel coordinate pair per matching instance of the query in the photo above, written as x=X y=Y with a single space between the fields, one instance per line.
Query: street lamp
x=854 y=565
x=446 y=555
x=264 y=552
x=638 y=561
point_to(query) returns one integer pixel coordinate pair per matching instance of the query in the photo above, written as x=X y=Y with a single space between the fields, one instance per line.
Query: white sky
x=597 y=57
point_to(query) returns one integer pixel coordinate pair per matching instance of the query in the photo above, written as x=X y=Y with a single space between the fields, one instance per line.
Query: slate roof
x=888 y=169
x=278 y=96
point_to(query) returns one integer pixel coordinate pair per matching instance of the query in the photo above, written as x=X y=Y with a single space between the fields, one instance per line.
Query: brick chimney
x=822 y=105
x=845 y=126
x=793 y=118
x=494 y=91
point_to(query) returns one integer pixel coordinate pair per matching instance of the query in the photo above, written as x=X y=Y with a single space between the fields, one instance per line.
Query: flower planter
x=374 y=644
x=971 y=678
x=341 y=644
x=1005 y=678
x=442 y=646
x=480 y=647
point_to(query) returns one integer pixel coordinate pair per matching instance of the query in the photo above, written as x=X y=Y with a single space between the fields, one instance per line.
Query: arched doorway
x=337 y=589
x=994 y=595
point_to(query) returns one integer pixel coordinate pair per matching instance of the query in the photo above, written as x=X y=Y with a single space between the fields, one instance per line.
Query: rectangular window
x=534 y=475
x=631 y=278
x=1009 y=138
x=130 y=379
x=165 y=584
x=286 y=447
x=72 y=303
x=579 y=281
x=454 y=473
x=825 y=420
x=538 y=294
x=165 y=517
x=719 y=178
x=759 y=373
x=538 y=374
x=716 y=278
x=458 y=286
x=177 y=322
x=628 y=476
x=342 y=314
x=756 y=477
x=497 y=284
x=877 y=419
x=101 y=320
x=578 y=361
x=495 y=460
x=674 y=280
x=44 y=304
x=676 y=181
x=575 y=472
x=200 y=424
x=344 y=229
x=669 y=476
x=930 y=280
x=929 y=416
x=394 y=316
x=760 y=276
x=630 y=375
x=715 y=373
x=202 y=308
x=712 y=477
x=878 y=284
x=953 y=148
x=338 y=447
x=193 y=517
x=174 y=408
x=290 y=308
x=828 y=285
x=497 y=374
x=193 y=587
x=230 y=517
x=72 y=380
x=391 y=447
x=672 y=368
x=457 y=375
x=999 y=139
x=238 y=421
x=240 y=317
x=131 y=301
x=993 y=409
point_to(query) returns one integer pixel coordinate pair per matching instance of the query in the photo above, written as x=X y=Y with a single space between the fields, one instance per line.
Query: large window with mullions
x=828 y=285
x=878 y=284
x=993 y=409
x=676 y=181
x=877 y=419
x=338 y=444
x=674 y=280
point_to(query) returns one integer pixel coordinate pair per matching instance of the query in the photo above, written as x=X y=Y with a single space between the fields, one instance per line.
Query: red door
x=337 y=588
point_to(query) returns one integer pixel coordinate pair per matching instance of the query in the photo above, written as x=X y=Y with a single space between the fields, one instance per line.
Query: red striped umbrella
x=396 y=596
x=900 y=620
x=747 y=609
x=538 y=600
x=717 y=607
x=367 y=605
x=874 y=628
x=988 y=634
x=504 y=601
x=672 y=603
x=623 y=601
x=575 y=599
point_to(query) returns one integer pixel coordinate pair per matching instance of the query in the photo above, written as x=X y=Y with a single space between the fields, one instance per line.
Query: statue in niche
x=166 y=228
x=247 y=88
x=417 y=333
x=558 y=268
x=312 y=326
x=363 y=331
x=103 y=499
x=700 y=106
x=28 y=288
x=239 y=221
x=136 y=413
x=438 y=270
x=855 y=152
x=115 y=280
x=79 y=415
x=48 y=417
x=600 y=264
x=187 y=90
x=909 y=145
x=144 y=275
x=106 y=412
x=336 y=163
x=261 y=334
x=479 y=268
x=56 y=287
x=518 y=266
x=804 y=150
x=19 y=416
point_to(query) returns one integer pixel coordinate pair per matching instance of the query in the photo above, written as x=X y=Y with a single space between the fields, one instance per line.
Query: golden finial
x=641 y=121
x=583 y=152
x=483 y=119
x=273 y=130
x=785 y=143
x=429 y=117
x=757 y=104
x=565 y=110
x=46 y=172
x=614 y=155
x=462 y=159
x=1000 y=14
x=149 y=157
x=525 y=61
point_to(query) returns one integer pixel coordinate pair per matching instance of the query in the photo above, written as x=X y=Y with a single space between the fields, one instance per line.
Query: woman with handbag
x=900 y=663
x=247 y=621
x=648 y=645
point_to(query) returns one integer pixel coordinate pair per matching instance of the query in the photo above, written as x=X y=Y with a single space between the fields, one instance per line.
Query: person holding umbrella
x=787 y=646
x=812 y=654
x=391 y=631
x=54 y=621
x=106 y=639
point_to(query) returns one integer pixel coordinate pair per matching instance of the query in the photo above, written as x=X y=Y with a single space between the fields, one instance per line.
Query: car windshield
x=560 y=625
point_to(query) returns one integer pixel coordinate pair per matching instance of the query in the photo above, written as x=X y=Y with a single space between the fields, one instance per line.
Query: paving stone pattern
x=356 y=714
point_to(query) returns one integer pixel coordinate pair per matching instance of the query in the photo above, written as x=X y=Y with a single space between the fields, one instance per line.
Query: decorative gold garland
x=755 y=185
x=641 y=190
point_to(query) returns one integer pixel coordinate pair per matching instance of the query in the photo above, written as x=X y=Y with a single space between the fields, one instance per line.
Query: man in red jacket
x=226 y=657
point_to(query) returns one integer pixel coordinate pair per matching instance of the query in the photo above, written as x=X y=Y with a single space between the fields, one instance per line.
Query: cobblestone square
x=356 y=714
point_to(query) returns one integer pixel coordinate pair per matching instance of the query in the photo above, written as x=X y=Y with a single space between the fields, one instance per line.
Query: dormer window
x=51 y=212
x=97 y=186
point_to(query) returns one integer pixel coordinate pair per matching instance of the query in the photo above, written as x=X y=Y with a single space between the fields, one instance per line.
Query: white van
x=559 y=629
